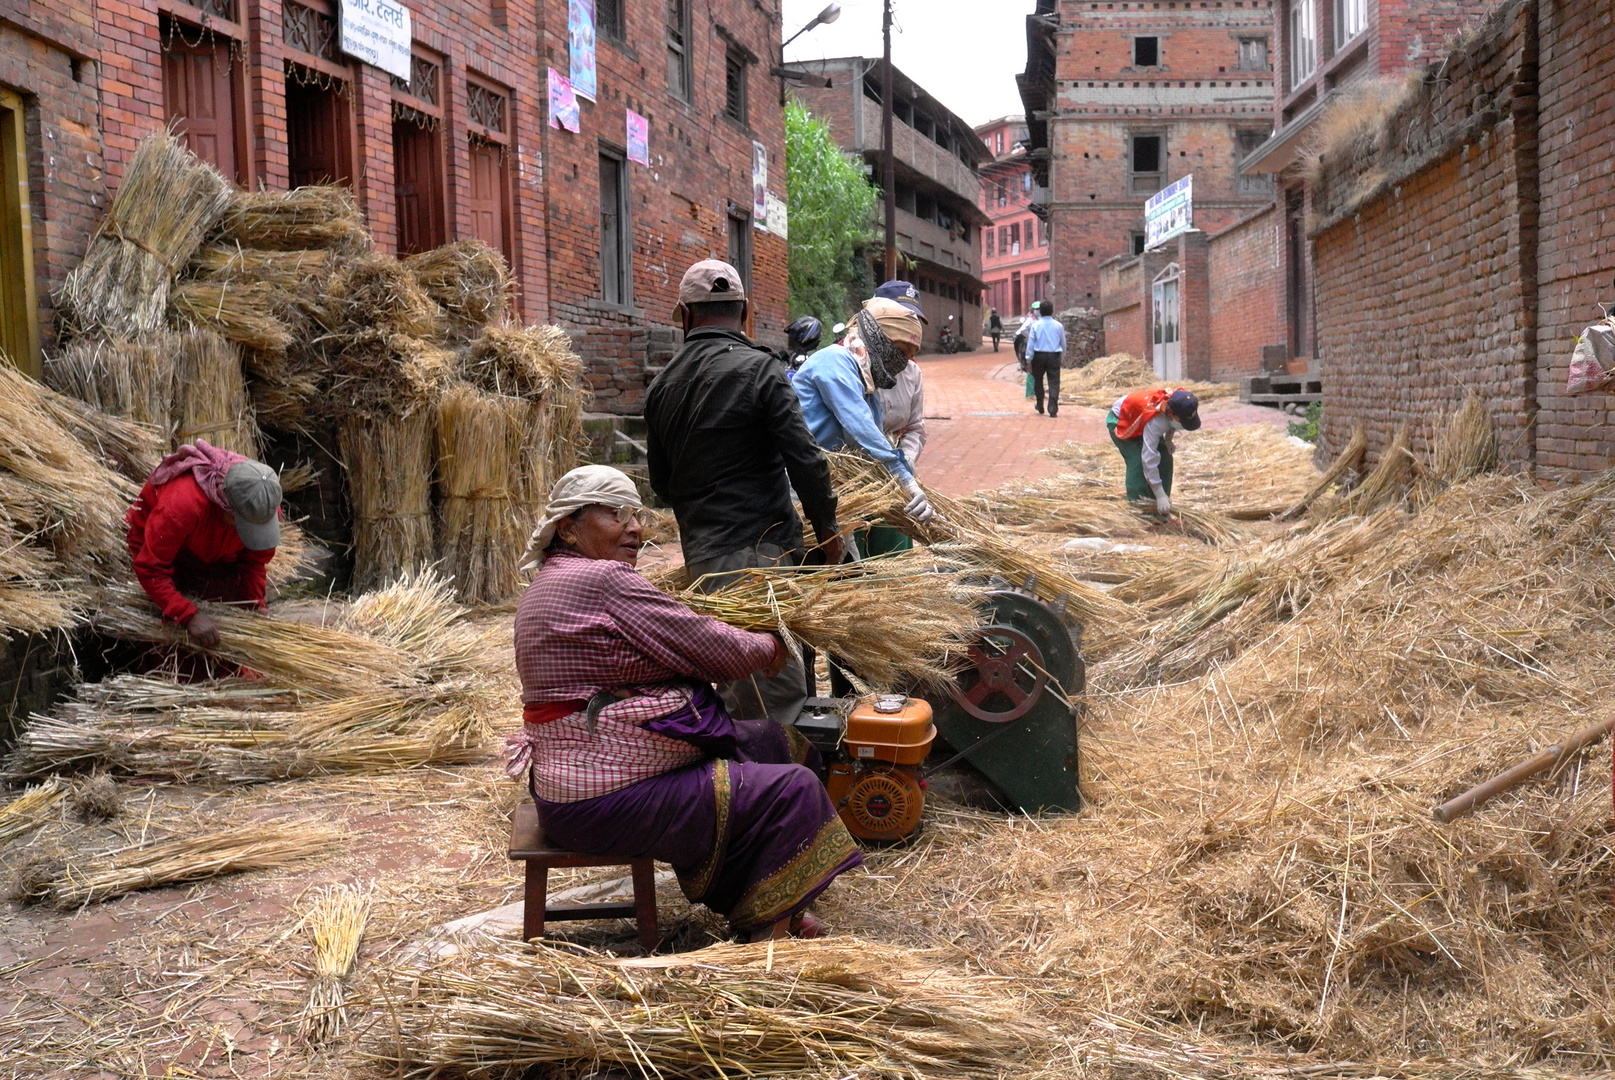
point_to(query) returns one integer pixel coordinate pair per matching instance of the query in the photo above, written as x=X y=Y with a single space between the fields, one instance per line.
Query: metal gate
x=1168 y=323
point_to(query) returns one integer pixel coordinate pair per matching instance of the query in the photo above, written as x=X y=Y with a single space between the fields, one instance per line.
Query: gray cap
x=254 y=493
x=709 y=281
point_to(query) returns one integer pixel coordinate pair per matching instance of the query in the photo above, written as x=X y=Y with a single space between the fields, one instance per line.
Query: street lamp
x=830 y=14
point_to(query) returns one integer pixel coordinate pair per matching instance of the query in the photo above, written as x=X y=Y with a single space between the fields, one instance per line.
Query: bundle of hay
x=1466 y=446
x=337 y=923
x=26 y=812
x=1099 y=383
x=288 y=272
x=65 y=884
x=243 y=311
x=210 y=400
x=1389 y=483
x=128 y=377
x=891 y=620
x=481 y=525
x=168 y=201
x=791 y=1008
x=1340 y=470
x=539 y=364
x=320 y=216
x=389 y=471
x=470 y=283
x=383 y=355
x=33 y=597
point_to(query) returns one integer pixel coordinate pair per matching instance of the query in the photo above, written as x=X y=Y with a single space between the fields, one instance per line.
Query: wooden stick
x=1453 y=809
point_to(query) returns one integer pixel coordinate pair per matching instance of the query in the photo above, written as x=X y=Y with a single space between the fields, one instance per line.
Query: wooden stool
x=529 y=844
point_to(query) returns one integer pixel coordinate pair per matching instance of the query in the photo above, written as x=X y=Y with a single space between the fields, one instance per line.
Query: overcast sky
x=965 y=53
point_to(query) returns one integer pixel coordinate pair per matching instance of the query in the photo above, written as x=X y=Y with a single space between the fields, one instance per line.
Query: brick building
x=1015 y=247
x=939 y=217
x=1329 y=52
x=1126 y=98
x=1459 y=243
x=462 y=148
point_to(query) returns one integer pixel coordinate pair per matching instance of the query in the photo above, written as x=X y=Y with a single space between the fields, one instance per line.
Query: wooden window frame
x=16 y=206
x=681 y=47
x=625 y=228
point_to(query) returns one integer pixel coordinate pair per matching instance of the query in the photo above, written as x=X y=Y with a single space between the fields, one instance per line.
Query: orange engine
x=877 y=788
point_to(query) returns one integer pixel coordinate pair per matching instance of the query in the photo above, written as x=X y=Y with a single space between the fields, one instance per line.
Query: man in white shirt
x=1045 y=347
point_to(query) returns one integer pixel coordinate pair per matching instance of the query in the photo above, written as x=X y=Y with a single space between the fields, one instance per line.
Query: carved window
x=486 y=108
x=309 y=31
x=224 y=9
x=423 y=76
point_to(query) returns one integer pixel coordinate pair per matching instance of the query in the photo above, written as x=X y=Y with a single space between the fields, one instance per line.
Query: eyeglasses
x=626 y=514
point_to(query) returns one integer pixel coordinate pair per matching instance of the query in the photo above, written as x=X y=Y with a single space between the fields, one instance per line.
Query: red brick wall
x=1246 y=293
x=38 y=44
x=1120 y=304
x=1197 y=98
x=1575 y=253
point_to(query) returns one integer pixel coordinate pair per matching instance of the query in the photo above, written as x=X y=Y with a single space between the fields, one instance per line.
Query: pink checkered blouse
x=586 y=625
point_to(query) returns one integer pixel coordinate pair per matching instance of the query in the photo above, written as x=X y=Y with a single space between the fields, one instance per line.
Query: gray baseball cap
x=254 y=493
x=709 y=281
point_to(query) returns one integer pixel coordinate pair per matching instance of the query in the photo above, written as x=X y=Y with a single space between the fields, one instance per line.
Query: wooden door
x=489 y=203
x=317 y=135
x=19 y=320
x=417 y=187
x=200 y=94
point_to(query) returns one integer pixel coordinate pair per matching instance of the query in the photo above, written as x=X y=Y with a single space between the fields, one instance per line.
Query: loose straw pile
x=260 y=846
x=337 y=923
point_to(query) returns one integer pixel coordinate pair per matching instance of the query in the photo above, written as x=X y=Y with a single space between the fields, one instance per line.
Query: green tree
x=832 y=209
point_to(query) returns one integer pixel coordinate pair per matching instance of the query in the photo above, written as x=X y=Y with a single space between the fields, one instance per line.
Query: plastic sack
x=1031 y=387
x=1592 y=365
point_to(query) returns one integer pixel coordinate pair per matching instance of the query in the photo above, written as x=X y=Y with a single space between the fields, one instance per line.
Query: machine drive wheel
x=1004 y=678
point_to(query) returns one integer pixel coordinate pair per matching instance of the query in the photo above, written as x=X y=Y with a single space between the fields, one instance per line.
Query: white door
x=1167 y=325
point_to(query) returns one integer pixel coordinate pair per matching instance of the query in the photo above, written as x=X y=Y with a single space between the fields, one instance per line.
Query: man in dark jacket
x=727 y=445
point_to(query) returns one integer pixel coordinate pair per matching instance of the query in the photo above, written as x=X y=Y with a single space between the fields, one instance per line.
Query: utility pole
x=888 y=166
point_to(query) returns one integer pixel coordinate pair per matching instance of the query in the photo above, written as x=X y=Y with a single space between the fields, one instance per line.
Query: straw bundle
x=389 y=465
x=320 y=216
x=534 y=362
x=286 y=388
x=418 y=615
x=210 y=400
x=830 y=1008
x=891 y=620
x=375 y=374
x=377 y=292
x=470 y=283
x=320 y=660
x=1388 y=483
x=34 y=598
x=26 y=812
x=96 y=799
x=1099 y=383
x=482 y=527
x=168 y=200
x=259 y=846
x=866 y=490
x=128 y=377
x=337 y=923
x=1466 y=446
x=286 y=271
x=1346 y=462
x=243 y=311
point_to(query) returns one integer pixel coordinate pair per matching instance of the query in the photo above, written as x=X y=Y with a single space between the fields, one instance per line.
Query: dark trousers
x=996 y=335
x=1046 y=366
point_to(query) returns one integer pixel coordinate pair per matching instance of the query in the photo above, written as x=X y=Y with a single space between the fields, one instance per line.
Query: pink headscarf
x=209 y=464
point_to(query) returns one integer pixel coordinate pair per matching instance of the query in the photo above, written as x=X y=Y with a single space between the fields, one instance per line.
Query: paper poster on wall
x=564 y=112
x=638 y=139
x=1169 y=212
x=580 y=32
x=377 y=32
x=777 y=216
x=759 y=185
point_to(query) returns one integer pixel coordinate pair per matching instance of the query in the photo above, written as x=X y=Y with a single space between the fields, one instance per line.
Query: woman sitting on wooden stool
x=626 y=747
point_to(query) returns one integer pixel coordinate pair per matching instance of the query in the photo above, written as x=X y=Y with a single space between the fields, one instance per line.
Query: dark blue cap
x=904 y=293
x=1185 y=408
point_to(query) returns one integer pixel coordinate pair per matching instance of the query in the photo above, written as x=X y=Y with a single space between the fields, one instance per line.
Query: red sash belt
x=544 y=712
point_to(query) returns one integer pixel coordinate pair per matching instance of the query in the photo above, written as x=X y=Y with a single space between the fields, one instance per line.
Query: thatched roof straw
x=167 y=202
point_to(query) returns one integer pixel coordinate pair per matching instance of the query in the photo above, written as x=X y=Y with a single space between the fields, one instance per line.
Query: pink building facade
x=1015 y=247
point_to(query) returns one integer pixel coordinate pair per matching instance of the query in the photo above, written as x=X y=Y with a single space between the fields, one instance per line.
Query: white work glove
x=919 y=507
x=1163 y=503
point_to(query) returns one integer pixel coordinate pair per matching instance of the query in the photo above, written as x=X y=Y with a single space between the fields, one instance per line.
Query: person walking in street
x=995 y=327
x=726 y=446
x=1045 y=347
x=839 y=388
x=1141 y=425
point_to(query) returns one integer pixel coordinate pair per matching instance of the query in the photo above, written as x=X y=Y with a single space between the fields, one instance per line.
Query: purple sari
x=750 y=832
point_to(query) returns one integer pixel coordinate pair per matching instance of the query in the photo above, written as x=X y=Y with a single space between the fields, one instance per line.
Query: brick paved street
x=983 y=432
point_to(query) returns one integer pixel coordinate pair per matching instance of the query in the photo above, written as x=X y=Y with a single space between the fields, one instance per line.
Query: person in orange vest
x=1142 y=425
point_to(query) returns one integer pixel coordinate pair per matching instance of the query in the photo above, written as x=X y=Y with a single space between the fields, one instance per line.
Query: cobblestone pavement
x=983 y=431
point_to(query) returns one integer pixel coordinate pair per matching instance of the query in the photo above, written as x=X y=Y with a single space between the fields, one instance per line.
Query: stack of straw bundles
x=210 y=398
x=389 y=470
x=469 y=282
x=321 y=216
x=128 y=377
x=481 y=438
x=384 y=357
x=168 y=201
x=536 y=363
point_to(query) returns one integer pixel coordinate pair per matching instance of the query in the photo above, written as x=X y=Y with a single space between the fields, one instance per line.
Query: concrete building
x=465 y=147
x=939 y=217
x=1329 y=51
x=1126 y=98
x=1015 y=248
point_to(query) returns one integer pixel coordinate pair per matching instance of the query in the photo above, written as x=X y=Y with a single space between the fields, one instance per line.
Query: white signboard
x=377 y=32
x=1169 y=212
x=776 y=216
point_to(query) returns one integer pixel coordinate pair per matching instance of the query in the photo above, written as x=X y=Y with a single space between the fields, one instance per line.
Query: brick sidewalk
x=983 y=432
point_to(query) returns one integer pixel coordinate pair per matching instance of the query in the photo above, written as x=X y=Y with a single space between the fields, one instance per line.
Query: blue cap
x=1185 y=408
x=904 y=293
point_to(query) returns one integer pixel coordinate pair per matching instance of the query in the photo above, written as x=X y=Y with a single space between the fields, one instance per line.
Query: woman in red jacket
x=205 y=526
